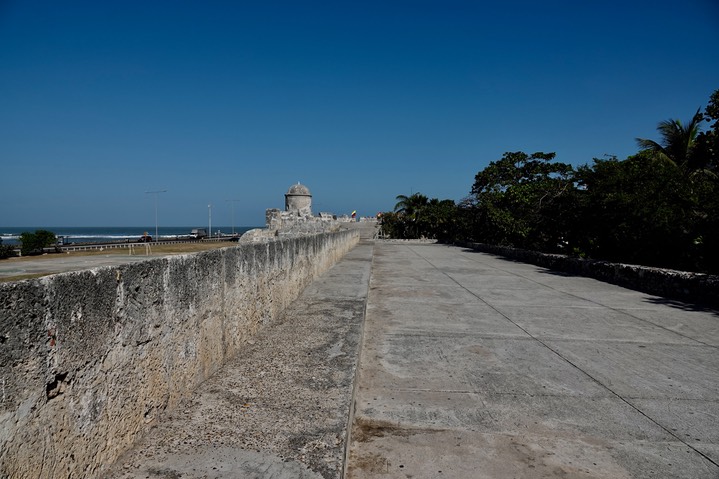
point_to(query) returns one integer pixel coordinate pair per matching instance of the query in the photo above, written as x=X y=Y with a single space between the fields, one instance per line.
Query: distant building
x=296 y=219
x=298 y=200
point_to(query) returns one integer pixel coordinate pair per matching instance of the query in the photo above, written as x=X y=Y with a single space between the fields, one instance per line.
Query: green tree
x=696 y=155
x=392 y=225
x=410 y=209
x=705 y=222
x=708 y=191
x=707 y=142
x=521 y=200
x=416 y=216
x=439 y=220
x=678 y=144
x=6 y=250
x=410 y=205
x=33 y=243
x=636 y=211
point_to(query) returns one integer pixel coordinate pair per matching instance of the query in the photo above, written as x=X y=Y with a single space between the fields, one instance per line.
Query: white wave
x=108 y=236
x=117 y=237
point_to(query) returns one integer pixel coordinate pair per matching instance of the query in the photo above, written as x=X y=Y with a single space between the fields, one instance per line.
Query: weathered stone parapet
x=291 y=224
x=89 y=359
x=296 y=219
x=680 y=285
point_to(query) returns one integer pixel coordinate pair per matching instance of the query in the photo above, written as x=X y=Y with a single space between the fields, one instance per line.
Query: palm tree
x=411 y=208
x=410 y=205
x=677 y=143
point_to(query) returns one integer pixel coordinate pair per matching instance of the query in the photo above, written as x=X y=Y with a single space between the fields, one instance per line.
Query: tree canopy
x=519 y=199
x=658 y=207
x=33 y=243
x=417 y=216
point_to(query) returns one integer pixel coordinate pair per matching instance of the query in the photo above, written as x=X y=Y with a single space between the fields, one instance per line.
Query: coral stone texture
x=90 y=359
x=280 y=408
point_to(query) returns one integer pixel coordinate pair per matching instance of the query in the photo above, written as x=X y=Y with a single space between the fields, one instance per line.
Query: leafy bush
x=416 y=216
x=33 y=243
x=6 y=250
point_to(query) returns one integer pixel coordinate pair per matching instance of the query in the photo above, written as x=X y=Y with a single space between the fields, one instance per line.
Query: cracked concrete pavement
x=478 y=366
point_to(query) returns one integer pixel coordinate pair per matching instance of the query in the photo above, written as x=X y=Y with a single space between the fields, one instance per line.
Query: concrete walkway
x=474 y=366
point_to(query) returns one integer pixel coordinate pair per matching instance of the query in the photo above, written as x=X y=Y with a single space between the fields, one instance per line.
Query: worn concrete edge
x=678 y=285
x=355 y=380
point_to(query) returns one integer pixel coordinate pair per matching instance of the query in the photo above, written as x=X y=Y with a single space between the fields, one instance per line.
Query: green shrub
x=33 y=243
x=6 y=250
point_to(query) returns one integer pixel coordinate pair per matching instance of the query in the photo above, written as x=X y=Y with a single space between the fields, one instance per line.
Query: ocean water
x=101 y=234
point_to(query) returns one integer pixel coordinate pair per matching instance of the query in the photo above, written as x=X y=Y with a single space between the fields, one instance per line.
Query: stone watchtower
x=298 y=200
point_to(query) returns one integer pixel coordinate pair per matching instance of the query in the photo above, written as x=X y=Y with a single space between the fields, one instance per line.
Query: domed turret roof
x=299 y=190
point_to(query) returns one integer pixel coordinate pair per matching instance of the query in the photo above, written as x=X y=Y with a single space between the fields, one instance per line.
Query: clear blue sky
x=102 y=101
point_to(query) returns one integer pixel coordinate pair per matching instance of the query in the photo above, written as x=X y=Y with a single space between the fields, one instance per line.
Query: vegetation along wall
x=89 y=359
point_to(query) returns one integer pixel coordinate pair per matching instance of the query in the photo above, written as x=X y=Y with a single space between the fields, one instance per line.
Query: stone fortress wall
x=89 y=359
x=296 y=219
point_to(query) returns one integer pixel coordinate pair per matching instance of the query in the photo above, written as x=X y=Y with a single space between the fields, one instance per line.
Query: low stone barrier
x=89 y=359
x=678 y=285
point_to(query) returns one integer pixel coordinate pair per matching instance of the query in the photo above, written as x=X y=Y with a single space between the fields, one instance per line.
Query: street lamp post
x=156 y=193
x=209 y=208
x=232 y=203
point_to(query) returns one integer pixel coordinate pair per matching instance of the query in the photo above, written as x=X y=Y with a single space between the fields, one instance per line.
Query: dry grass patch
x=159 y=249
x=155 y=250
x=21 y=277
